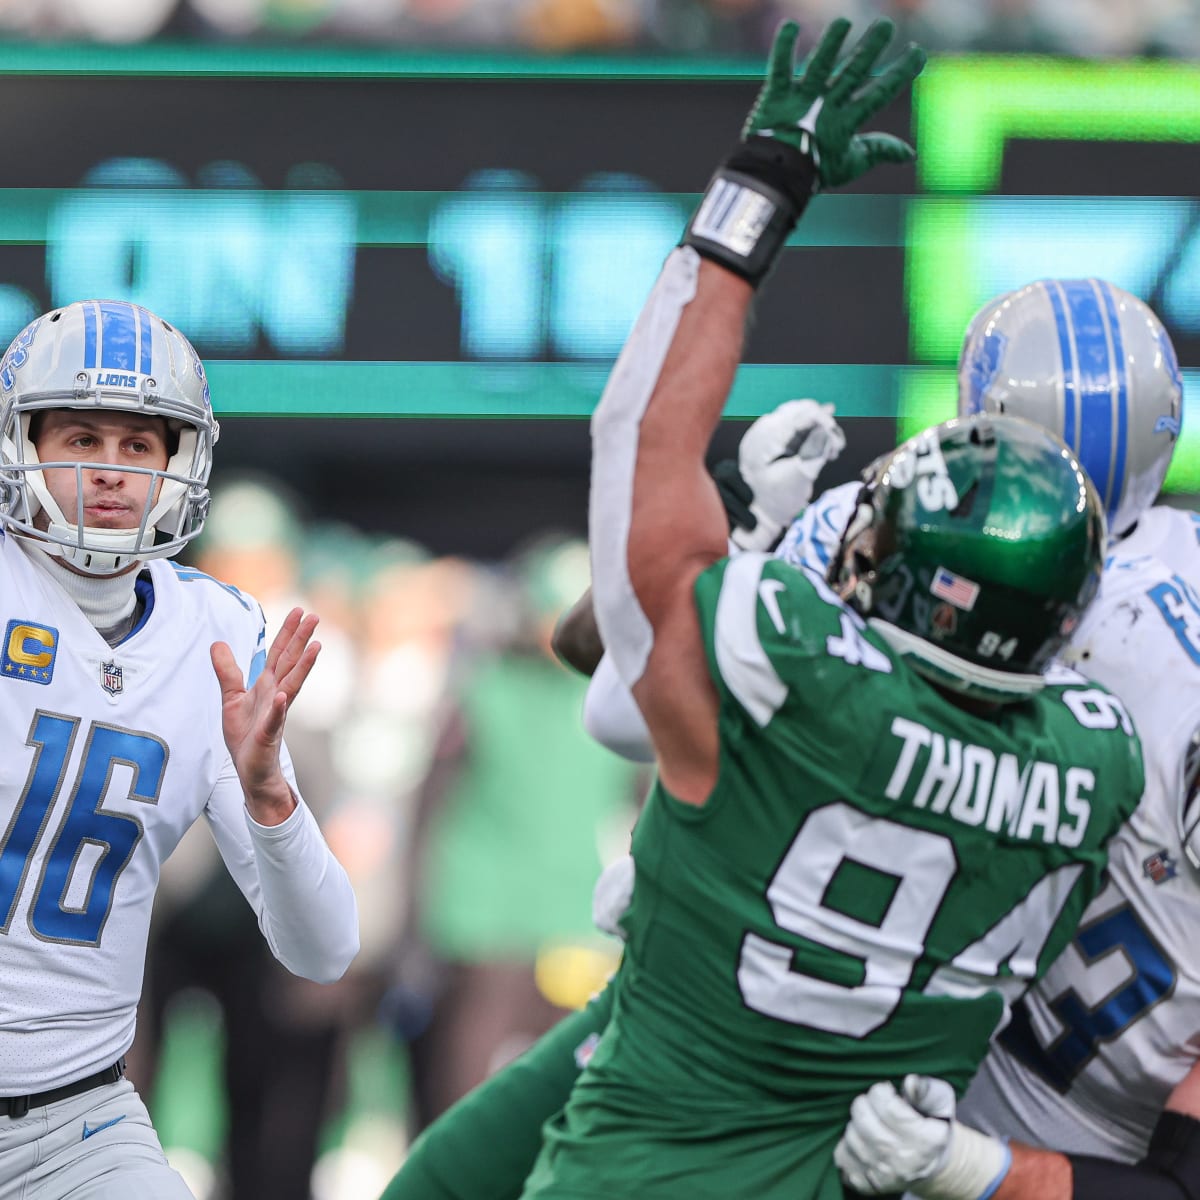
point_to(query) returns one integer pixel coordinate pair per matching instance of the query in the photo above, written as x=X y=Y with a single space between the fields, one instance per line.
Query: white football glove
x=612 y=896
x=780 y=457
x=911 y=1142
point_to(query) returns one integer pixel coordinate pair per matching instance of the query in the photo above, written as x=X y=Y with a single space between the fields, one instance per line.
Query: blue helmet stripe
x=145 y=340
x=1117 y=487
x=118 y=336
x=1067 y=355
x=89 y=336
x=1093 y=354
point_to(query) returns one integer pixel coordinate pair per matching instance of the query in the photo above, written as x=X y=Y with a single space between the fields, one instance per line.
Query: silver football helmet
x=118 y=357
x=1092 y=364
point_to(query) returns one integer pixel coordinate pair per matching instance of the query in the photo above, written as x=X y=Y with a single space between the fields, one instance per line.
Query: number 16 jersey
x=109 y=756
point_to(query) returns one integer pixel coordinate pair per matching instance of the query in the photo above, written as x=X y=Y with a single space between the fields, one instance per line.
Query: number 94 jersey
x=876 y=874
x=1095 y=1049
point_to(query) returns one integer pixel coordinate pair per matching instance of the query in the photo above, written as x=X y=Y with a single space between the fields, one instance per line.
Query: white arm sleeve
x=301 y=894
x=624 y=627
x=612 y=717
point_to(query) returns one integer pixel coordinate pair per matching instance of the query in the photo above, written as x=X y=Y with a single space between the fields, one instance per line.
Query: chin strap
x=111 y=550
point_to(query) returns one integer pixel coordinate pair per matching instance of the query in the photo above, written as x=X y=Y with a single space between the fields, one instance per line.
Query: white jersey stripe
x=743 y=663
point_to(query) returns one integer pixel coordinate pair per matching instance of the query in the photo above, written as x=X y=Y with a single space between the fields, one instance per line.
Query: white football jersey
x=1171 y=535
x=813 y=538
x=111 y=755
x=1094 y=1049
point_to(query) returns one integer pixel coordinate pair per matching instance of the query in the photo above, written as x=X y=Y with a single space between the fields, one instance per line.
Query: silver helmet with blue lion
x=1094 y=365
x=115 y=356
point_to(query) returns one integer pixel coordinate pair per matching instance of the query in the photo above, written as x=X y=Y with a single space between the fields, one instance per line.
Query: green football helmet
x=974 y=550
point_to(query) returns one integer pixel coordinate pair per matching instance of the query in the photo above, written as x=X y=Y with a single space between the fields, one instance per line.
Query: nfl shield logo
x=110 y=678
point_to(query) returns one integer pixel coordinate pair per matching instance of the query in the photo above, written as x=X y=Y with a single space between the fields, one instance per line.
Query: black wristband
x=752 y=203
x=1175 y=1150
x=1106 y=1179
x=778 y=165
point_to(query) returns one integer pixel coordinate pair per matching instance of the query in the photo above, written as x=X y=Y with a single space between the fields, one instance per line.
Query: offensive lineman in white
x=1101 y=1061
x=137 y=696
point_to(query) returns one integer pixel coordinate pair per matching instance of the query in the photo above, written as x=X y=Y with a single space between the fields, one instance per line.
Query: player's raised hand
x=772 y=478
x=779 y=459
x=801 y=135
x=252 y=719
x=820 y=110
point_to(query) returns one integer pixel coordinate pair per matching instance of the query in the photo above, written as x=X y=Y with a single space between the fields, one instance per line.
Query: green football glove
x=820 y=111
x=801 y=135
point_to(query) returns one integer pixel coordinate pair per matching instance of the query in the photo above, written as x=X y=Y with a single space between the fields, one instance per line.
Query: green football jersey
x=876 y=875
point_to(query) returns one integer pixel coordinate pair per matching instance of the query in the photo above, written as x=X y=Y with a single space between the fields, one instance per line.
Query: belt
x=18 y=1106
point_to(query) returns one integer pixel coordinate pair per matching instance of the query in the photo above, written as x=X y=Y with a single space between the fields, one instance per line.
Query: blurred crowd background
x=1088 y=28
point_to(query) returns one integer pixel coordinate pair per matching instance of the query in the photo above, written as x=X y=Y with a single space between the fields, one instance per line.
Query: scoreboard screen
x=381 y=234
x=350 y=233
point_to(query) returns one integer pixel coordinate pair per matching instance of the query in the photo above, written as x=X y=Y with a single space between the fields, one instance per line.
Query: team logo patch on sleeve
x=29 y=652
